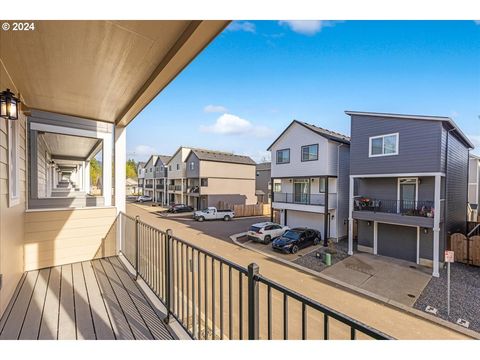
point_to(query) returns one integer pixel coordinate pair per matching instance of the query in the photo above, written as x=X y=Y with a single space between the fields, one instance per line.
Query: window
x=203 y=182
x=321 y=182
x=178 y=166
x=283 y=156
x=13 y=164
x=310 y=152
x=383 y=145
x=277 y=187
x=169 y=167
x=192 y=166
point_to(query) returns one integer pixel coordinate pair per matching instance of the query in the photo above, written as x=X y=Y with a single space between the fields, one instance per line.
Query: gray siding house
x=408 y=185
x=160 y=175
x=262 y=183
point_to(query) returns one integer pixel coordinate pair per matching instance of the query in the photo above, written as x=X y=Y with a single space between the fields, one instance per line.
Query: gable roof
x=141 y=164
x=220 y=156
x=444 y=119
x=176 y=152
x=163 y=158
x=328 y=134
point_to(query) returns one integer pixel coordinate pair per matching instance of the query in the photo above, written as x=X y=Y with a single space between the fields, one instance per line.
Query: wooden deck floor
x=90 y=300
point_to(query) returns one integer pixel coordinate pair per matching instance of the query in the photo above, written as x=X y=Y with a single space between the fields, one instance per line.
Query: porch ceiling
x=67 y=146
x=102 y=70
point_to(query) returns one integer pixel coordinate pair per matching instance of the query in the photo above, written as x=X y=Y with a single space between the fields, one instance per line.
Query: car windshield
x=292 y=235
x=254 y=228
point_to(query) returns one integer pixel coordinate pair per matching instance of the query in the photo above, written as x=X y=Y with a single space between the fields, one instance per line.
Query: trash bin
x=327 y=259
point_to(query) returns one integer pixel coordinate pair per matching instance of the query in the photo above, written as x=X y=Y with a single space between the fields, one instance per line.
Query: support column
x=120 y=167
x=271 y=199
x=87 y=176
x=436 y=228
x=375 y=238
x=350 y=217
x=326 y=220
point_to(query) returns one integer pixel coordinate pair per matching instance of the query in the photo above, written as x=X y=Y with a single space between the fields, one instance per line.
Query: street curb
x=366 y=293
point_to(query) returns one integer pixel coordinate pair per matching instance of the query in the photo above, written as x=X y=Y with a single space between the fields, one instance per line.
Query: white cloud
x=307 y=27
x=242 y=26
x=228 y=124
x=215 y=109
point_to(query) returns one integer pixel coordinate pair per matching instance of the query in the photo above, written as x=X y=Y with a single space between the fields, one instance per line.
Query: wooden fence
x=466 y=248
x=246 y=210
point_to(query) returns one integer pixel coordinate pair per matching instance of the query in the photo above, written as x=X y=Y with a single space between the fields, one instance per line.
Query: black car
x=180 y=208
x=293 y=240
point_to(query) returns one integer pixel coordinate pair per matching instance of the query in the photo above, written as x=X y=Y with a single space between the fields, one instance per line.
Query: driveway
x=393 y=279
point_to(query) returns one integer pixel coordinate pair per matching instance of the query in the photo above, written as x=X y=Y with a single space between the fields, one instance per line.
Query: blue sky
x=257 y=76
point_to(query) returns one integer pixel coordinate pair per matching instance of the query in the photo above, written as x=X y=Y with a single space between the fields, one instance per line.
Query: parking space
x=268 y=250
x=217 y=228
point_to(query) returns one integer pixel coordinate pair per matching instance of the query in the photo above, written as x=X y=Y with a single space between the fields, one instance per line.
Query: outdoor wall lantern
x=425 y=230
x=369 y=223
x=8 y=105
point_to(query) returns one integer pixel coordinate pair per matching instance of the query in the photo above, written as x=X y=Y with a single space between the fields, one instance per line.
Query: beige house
x=215 y=177
x=176 y=176
x=80 y=84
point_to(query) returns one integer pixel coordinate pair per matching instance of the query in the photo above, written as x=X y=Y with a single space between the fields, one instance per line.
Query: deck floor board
x=95 y=299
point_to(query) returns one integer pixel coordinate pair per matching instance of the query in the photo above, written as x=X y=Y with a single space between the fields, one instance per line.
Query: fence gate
x=475 y=250
x=459 y=245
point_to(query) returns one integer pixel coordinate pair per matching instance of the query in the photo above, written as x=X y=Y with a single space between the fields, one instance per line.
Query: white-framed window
x=192 y=166
x=383 y=145
x=178 y=166
x=13 y=164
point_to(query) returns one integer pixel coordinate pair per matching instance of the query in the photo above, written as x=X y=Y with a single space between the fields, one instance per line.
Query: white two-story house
x=310 y=172
x=149 y=186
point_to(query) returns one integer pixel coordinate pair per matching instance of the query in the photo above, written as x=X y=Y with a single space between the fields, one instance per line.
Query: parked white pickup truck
x=211 y=213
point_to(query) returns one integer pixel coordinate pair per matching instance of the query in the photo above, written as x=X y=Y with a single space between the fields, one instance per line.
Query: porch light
x=425 y=230
x=8 y=105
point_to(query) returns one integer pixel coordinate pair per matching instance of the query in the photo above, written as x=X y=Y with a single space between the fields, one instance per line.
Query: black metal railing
x=214 y=298
x=304 y=199
x=149 y=186
x=178 y=187
x=159 y=186
x=402 y=207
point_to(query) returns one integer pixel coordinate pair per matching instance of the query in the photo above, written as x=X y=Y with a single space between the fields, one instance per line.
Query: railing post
x=253 y=303
x=137 y=238
x=168 y=274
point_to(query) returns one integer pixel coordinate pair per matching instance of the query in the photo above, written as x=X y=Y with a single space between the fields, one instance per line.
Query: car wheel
x=226 y=218
x=294 y=249
x=267 y=239
x=316 y=241
x=201 y=218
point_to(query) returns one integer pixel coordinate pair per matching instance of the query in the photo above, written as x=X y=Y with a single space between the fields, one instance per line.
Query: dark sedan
x=180 y=208
x=293 y=240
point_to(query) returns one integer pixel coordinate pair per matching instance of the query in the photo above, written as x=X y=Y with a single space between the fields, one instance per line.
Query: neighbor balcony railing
x=402 y=207
x=214 y=298
x=178 y=188
x=303 y=199
x=149 y=186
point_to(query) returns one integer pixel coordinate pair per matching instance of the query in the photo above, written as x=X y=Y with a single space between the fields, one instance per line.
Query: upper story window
x=204 y=182
x=283 y=156
x=13 y=163
x=277 y=187
x=178 y=166
x=169 y=167
x=192 y=166
x=383 y=145
x=310 y=152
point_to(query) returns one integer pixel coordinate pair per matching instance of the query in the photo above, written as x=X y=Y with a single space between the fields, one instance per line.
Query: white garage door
x=305 y=219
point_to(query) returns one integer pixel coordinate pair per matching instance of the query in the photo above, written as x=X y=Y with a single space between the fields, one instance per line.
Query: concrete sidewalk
x=394 y=322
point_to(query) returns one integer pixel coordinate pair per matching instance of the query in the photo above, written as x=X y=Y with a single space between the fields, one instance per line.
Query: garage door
x=305 y=219
x=397 y=241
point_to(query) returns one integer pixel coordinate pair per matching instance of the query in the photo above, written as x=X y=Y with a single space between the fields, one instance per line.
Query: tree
x=95 y=172
x=131 y=169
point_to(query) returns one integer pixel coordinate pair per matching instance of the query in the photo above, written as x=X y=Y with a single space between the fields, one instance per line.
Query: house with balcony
x=177 y=176
x=160 y=176
x=408 y=185
x=149 y=185
x=216 y=177
x=141 y=177
x=473 y=188
x=263 y=184
x=309 y=173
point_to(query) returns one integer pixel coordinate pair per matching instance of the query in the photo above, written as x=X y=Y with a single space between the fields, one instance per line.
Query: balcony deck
x=91 y=300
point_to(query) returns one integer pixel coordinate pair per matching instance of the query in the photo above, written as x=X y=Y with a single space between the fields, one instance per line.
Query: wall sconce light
x=312 y=180
x=8 y=105
x=369 y=223
x=425 y=230
x=290 y=180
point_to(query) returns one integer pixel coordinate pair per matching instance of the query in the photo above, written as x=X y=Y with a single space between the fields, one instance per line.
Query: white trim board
x=398 y=175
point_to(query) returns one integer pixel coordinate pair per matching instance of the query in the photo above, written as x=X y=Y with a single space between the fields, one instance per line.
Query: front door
x=408 y=194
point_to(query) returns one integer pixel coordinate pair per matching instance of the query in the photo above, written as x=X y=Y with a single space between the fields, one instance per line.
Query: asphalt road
x=218 y=228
